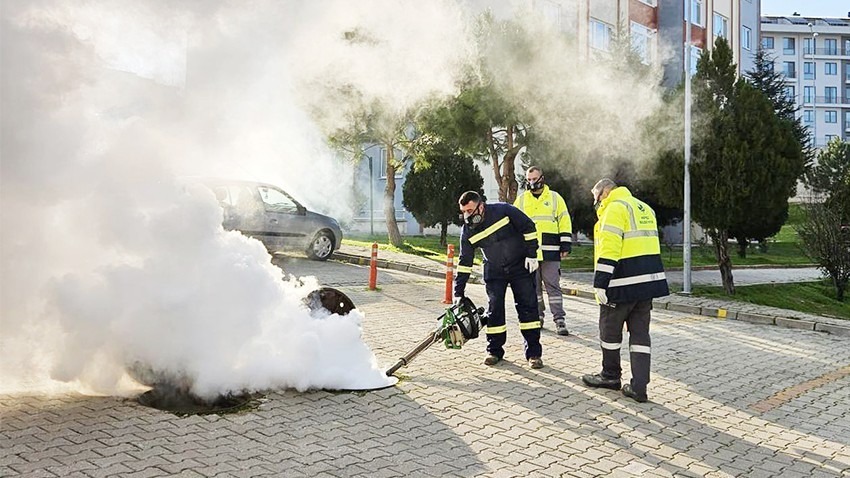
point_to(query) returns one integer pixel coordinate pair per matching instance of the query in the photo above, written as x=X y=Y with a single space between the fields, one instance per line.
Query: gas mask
x=597 y=200
x=474 y=218
x=536 y=185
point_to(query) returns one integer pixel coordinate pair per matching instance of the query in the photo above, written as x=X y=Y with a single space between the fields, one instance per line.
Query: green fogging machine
x=461 y=322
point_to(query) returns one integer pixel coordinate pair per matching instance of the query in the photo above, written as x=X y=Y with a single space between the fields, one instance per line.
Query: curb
x=397 y=266
x=718 y=313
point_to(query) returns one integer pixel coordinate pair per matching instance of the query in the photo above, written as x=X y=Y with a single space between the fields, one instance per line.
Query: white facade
x=814 y=55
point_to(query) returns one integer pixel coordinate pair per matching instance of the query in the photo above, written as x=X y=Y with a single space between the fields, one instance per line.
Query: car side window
x=222 y=195
x=277 y=201
x=243 y=200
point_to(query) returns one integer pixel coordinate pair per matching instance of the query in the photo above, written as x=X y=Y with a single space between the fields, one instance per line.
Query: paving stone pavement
x=728 y=398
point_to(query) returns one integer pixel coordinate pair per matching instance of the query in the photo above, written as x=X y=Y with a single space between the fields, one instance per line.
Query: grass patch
x=816 y=298
x=779 y=253
x=788 y=233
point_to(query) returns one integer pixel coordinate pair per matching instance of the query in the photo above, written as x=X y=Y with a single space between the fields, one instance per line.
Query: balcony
x=826 y=100
x=837 y=51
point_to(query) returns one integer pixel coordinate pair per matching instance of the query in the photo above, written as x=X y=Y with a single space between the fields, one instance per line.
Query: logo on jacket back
x=546 y=203
x=640 y=207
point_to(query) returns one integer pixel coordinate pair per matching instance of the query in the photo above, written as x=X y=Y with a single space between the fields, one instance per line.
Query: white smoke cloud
x=107 y=257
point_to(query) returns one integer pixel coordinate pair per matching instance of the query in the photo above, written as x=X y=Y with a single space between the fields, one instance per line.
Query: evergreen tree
x=772 y=83
x=746 y=159
x=433 y=187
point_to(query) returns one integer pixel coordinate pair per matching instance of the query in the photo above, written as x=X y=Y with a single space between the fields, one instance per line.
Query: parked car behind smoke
x=269 y=214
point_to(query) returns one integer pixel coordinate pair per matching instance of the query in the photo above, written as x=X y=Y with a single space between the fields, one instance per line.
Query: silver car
x=269 y=214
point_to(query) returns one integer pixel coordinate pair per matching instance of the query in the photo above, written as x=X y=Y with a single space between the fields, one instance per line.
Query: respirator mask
x=474 y=218
x=536 y=185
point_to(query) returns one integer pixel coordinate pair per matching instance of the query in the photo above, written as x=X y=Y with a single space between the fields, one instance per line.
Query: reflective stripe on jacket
x=506 y=236
x=627 y=253
x=552 y=220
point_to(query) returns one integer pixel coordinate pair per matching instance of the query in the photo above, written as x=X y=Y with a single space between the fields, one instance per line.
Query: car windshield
x=277 y=201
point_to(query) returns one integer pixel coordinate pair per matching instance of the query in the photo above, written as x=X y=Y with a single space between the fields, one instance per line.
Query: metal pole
x=814 y=83
x=686 y=231
x=371 y=198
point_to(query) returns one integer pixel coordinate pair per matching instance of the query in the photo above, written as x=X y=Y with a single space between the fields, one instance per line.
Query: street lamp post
x=371 y=198
x=814 y=83
x=686 y=220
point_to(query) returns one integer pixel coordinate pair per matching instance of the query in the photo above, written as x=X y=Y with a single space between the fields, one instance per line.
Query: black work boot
x=598 y=381
x=631 y=393
x=561 y=327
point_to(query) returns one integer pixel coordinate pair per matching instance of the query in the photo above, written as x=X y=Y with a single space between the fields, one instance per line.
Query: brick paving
x=451 y=416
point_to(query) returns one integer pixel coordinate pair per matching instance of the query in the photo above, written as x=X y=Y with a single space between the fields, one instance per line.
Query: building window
x=600 y=35
x=808 y=94
x=809 y=46
x=830 y=116
x=788 y=45
x=830 y=46
x=696 y=12
x=808 y=70
x=808 y=116
x=789 y=69
x=830 y=137
x=830 y=68
x=399 y=172
x=696 y=52
x=746 y=38
x=847 y=120
x=641 y=37
x=831 y=94
x=767 y=43
x=721 y=26
x=790 y=93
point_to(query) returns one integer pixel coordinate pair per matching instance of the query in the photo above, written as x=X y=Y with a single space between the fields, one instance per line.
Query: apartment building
x=814 y=55
x=735 y=20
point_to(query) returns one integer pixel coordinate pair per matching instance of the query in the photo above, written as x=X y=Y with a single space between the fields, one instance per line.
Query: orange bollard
x=450 y=265
x=373 y=268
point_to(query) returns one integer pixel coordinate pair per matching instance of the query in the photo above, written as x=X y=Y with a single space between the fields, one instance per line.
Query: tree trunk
x=721 y=249
x=494 y=162
x=840 y=287
x=508 y=185
x=389 y=200
x=742 y=247
x=444 y=226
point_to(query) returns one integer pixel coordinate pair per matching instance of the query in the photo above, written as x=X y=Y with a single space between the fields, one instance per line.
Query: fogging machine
x=461 y=322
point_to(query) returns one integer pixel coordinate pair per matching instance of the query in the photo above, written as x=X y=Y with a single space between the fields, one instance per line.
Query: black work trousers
x=635 y=315
x=525 y=300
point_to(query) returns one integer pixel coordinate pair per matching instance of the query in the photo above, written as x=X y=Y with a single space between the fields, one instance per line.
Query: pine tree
x=432 y=188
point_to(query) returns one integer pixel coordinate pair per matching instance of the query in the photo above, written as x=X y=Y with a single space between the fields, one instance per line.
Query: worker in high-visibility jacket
x=549 y=212
x=628 y=275
x=508 y=240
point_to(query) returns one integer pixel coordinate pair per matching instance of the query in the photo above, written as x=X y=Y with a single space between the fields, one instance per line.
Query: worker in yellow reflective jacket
x=555 y=233
x=628 y=275
x=508 y=240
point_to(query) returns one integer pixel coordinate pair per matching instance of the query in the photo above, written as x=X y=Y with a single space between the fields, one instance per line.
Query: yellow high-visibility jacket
x=627 y=253
x=552 y=220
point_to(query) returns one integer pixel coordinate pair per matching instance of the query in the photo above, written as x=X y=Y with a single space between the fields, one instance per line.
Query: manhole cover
x=182 y=403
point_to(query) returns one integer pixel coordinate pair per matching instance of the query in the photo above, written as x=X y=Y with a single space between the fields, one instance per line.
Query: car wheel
x=321 y=247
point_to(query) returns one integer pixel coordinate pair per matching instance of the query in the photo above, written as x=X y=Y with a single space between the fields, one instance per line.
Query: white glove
x=601 y=296
x=531 y=264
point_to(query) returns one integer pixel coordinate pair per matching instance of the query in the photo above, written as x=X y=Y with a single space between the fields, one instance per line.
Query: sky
x=806 y=8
